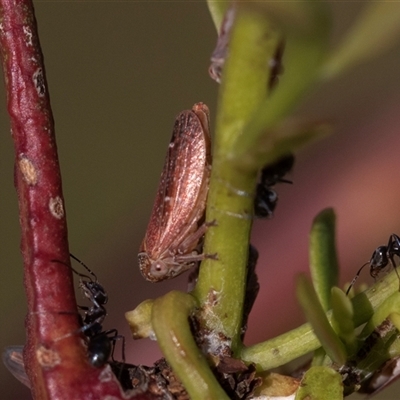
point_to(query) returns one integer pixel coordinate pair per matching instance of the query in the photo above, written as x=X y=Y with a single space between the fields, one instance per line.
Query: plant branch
x=55 y=355
x=171 y=325
x=221 y=284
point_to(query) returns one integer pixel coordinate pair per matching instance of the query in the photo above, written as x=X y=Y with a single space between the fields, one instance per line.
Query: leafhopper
x=176 y=227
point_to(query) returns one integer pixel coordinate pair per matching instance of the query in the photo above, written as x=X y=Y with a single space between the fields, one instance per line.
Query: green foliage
x=320 y=383
x=255 y=127
x=323 y=261
x=315 y=314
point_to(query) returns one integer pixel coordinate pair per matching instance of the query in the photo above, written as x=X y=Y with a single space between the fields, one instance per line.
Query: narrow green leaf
x=320 y=383
x=302 y=340
x=171 y=326
x=323 y=259
x=217 y=10
x=376 y=30
x=395 y=318
x=343 y=319
x=315 y=314
x=319 y=358
x=286 y=137
x=305 y=27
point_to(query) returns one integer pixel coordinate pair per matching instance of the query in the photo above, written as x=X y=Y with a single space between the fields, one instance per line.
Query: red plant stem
x=55 y=355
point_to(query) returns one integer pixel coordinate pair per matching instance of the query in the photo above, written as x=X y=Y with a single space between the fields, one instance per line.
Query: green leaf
x=376 y=30
x=395 y=318
x=323 y=259
x=343 y=319
x=315 y=314
x=320 y=383
x=302 y=340
x=217 y=10
x=306 y=28
x=284 y=138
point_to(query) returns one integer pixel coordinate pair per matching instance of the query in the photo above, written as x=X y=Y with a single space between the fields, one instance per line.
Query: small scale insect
x=266 y=198
x=176 y=227
x=381 y=257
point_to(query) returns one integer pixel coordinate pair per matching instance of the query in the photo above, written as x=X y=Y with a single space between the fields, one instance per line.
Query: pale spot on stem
x=56 y=207
x=28 y=171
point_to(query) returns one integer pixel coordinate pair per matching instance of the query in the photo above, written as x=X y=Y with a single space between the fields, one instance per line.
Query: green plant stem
x=221 y=282
x=302 y=340
x=171 y=325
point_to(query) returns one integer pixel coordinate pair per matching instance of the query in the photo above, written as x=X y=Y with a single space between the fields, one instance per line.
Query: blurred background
x=118 y=74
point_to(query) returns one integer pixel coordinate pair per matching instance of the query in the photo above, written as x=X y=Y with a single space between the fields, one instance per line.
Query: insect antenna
x=355 y=278
x=85 y=266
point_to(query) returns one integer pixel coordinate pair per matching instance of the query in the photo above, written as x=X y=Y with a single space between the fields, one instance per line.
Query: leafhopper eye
x=176 y=224
x=159 y=269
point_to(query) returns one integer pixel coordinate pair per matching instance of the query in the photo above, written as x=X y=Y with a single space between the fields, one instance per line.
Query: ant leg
x=394 y=249
x=394 y=243
x=391 y=258
x=113 y=339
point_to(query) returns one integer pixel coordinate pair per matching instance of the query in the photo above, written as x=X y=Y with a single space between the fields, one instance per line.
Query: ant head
x=274 y=173
x=94 y=292
x=265 y=202
x=379 y=260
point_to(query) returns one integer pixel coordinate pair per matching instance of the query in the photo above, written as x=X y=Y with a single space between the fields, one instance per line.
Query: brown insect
x=176 y=225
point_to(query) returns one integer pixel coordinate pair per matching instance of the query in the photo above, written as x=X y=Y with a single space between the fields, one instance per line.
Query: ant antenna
x=355 y=278
x=85 y=266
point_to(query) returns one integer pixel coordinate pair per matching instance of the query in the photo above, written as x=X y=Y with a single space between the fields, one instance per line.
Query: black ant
x=100 y=343
x=266 y=198
x=380 y=259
